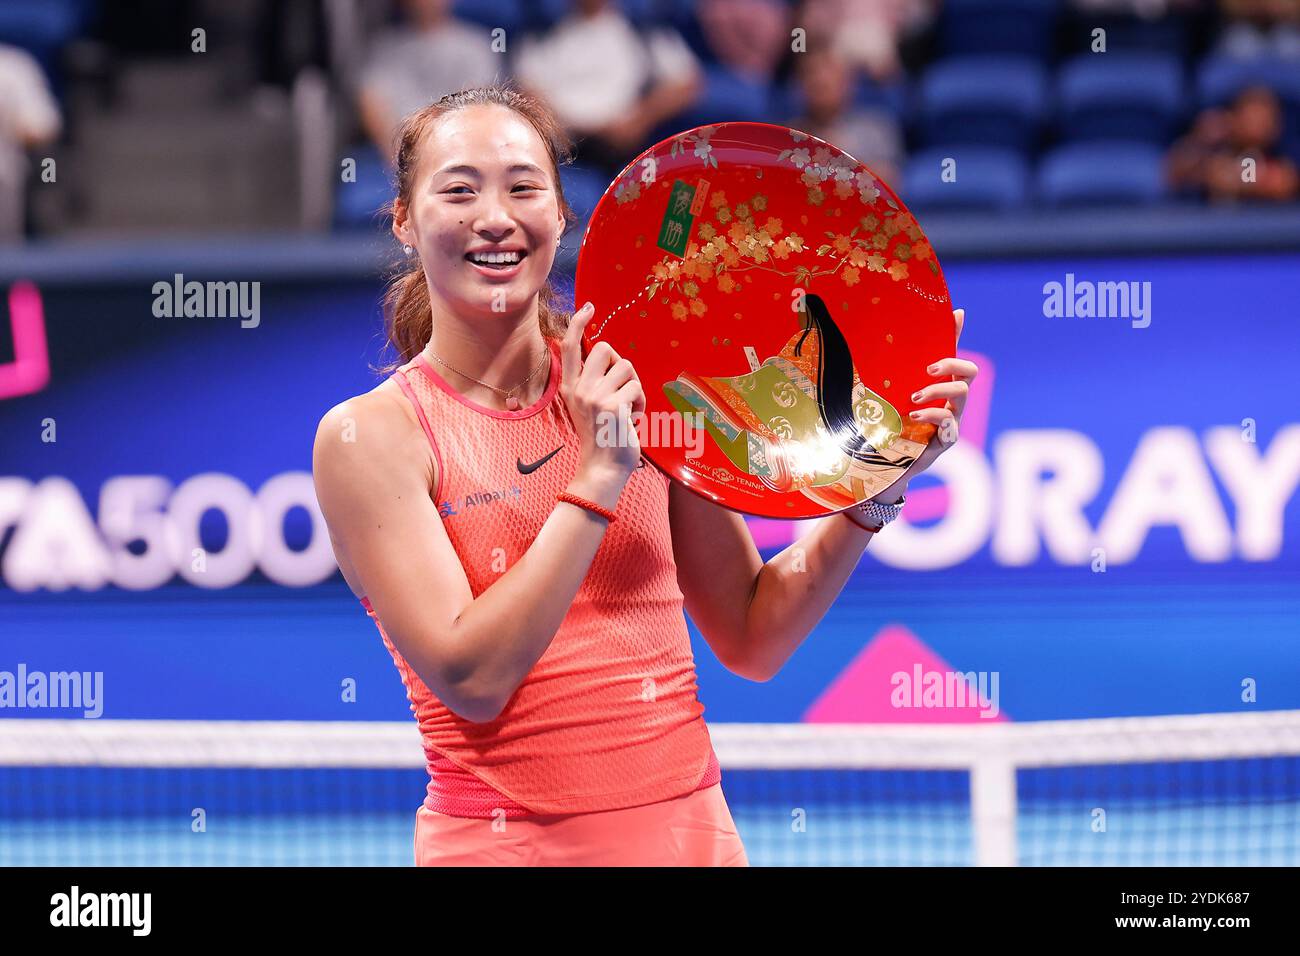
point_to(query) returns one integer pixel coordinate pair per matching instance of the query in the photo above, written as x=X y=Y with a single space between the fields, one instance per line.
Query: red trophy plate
x=780 y=306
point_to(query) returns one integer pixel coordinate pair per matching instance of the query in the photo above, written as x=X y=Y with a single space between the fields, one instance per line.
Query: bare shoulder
x=373 y=470
x=374 y=432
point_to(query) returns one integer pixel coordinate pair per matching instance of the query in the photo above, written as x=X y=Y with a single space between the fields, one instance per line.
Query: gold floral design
x=734 y=242
x=732 y=238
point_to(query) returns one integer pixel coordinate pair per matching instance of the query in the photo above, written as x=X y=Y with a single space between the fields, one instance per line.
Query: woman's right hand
x=598 y=391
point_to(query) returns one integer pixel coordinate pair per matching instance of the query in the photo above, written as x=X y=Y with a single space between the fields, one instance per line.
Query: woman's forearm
x=794 y=591
x=506 y=629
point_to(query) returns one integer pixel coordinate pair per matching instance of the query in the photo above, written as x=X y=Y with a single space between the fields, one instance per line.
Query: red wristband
x=589 y=505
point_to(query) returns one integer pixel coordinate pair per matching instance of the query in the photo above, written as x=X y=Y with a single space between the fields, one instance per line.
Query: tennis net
x=1214 y=789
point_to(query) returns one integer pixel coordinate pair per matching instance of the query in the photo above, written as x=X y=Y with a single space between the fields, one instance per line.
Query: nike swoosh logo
x=529 y=469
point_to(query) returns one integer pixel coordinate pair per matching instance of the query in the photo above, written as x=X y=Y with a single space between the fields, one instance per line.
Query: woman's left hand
x=959 y=373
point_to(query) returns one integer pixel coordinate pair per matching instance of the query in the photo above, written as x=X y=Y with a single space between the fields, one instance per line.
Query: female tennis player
x=528 y=580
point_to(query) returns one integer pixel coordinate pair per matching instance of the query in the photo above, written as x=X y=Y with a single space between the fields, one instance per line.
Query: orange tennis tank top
x=608 y=717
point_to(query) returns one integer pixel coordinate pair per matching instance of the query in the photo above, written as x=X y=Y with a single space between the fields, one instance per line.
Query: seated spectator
x=867 y=33
x=747 y=36
x=609 y=85
x=1255 y=28
x=412 y=66
x=29 y=117
x=1208 y=161
x=868 y=135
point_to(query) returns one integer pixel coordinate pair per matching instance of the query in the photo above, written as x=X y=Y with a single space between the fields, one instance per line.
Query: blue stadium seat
x=357 y=205
x=1122 y=96
x=983 y=178
x=728 y=96
x=41 y=26
x=42 y=29
x=1220 y=78
x=679 y=14
x=546 y=12
x=983 y=101
x=788 y=99
x=583 y=188
x=1102 y=173
x=510 y=15
x=887 y=96
x=1126 y=33
x=642 y=12
x=785 y=101
x=1006 y=27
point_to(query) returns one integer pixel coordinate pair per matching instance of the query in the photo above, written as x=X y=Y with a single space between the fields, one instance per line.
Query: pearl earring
x=407 y=249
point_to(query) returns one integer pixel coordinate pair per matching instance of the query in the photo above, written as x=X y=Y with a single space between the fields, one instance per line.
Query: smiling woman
x=497 y=158
x=528 y=578
x=520 y=572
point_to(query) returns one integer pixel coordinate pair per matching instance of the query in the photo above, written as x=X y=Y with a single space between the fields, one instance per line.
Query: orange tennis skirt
x=691 y=830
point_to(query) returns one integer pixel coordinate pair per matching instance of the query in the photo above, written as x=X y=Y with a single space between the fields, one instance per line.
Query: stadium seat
x=887 y=96
x=1121 y=96
x=1220 y=78
x=983 y=101
x=788 y=98
x=546 y=12
x=1005 y=27
x=43 y=26
x=1131 y=34
x=680 y=15
x=42 y=29
x=357 y=205
x=983 y=178
x=583 y=188
x=510 y=15
x=1102 y=173
x=728 y=96
x=642 y=12
x=786 y=101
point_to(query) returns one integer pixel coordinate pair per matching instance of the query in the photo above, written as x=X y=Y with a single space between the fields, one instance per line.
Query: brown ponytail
x=408 y=318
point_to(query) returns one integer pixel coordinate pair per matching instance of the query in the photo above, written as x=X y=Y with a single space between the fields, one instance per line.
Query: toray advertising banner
x=1116 y=532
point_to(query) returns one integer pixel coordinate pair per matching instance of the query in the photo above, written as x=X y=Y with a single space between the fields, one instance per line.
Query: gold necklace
x=512 y=403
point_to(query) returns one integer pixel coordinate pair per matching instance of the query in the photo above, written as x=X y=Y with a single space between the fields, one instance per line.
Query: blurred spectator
x=1254 y=28
x=747 y=36
x=607 y=83
x=408 y=68
x=869 y=135
x=867 y=33
x=1209 y=160
x=29 y=117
